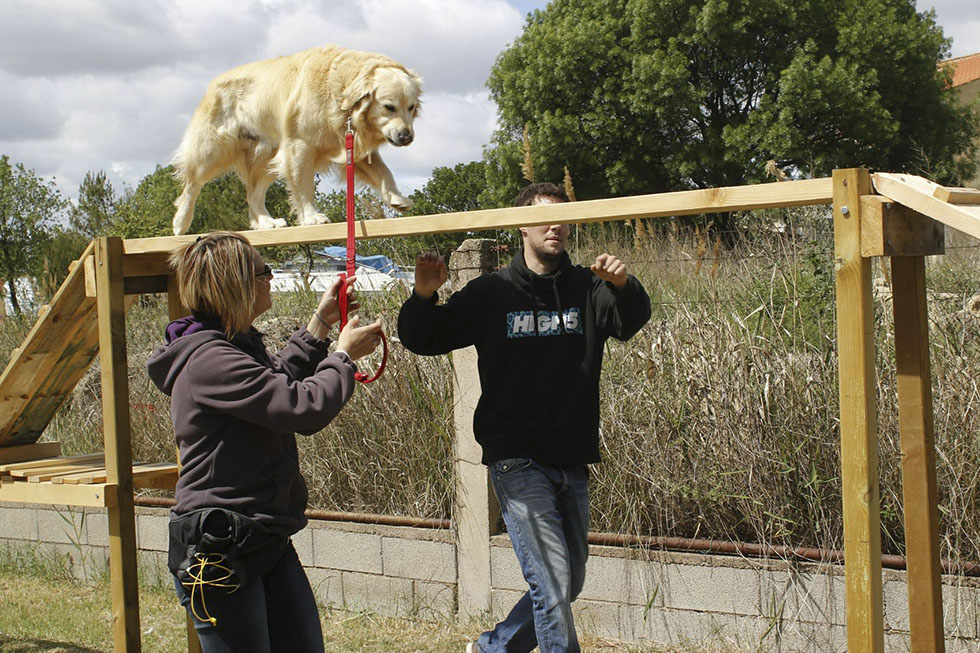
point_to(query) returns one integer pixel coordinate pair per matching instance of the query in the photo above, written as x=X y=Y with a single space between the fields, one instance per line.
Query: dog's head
x=386 y=99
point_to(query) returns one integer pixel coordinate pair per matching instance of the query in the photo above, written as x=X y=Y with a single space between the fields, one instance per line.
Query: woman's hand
x=359 y=341
x=328 y=311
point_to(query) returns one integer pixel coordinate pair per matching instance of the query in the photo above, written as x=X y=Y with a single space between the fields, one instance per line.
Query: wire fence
x=719 y=419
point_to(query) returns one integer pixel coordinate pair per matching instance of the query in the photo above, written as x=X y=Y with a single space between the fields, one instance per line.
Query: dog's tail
x=205 y=146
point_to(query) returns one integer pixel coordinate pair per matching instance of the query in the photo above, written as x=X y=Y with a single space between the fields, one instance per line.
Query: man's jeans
x=546 y=510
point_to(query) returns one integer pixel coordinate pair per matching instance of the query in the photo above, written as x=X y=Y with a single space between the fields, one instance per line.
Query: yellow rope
x=196 y=573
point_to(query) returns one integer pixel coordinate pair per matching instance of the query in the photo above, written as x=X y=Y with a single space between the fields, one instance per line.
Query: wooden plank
x=9 y=468
x=691 y=202
x=49 y=473
x=145 y=285
x=918 y=194
x=142 y=472
x=88 y=476
x=858 y=419
x=957 y=195
x=34 y=451
x=919 y=492
x=890 y=229
x=99 y=496
x=123 y=578
x=90 y=276
x=136 y=265
x=161 y=476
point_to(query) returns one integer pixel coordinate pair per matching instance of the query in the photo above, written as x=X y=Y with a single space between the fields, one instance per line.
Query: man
x=539 y=326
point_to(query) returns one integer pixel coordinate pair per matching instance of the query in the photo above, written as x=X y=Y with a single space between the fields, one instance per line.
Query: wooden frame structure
x=898 y=216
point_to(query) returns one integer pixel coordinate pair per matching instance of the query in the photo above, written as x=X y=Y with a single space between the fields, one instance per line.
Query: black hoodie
x=540 y=341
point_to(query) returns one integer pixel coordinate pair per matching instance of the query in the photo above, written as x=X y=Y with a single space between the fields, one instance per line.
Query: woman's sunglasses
x=265 y=274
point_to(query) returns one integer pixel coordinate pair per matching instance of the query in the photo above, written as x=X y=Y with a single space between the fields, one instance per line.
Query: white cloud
x=960 y=20
x=110 y=84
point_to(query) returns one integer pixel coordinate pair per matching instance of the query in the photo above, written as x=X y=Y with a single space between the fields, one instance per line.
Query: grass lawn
x=43 y=614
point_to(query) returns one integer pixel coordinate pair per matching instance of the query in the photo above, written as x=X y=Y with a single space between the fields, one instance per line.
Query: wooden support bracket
x=959 y=195
x=133 y=283
x=891 y=229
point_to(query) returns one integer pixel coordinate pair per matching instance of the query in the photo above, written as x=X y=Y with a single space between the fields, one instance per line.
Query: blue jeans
x=546 y=510
x=276 y=612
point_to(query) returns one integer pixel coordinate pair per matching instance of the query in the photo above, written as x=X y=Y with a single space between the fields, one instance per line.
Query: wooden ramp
x=958 y=208
x=44 y=370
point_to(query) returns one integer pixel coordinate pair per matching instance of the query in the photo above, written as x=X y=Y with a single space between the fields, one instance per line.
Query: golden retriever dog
x=286 y=117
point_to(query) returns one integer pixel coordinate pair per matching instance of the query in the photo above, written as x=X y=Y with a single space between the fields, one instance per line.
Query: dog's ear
x=358 y=90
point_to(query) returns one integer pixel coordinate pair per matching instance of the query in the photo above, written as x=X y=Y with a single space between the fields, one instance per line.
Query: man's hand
x=430 y=274
x=609 y=268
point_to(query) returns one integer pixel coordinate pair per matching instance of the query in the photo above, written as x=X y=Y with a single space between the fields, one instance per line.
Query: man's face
x=545 y=242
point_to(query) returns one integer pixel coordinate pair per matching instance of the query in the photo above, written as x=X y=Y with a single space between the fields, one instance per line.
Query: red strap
x=352 y=257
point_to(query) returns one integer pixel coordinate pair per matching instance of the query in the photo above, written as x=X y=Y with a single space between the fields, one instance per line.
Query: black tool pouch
x=245 y=548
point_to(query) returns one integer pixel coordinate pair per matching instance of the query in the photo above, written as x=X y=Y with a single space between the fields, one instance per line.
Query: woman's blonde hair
x=216 y=279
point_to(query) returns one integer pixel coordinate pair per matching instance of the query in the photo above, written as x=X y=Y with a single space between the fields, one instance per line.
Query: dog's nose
x=405 y=137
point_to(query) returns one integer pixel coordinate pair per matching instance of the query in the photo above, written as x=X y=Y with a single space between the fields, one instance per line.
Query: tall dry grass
x=719 y=419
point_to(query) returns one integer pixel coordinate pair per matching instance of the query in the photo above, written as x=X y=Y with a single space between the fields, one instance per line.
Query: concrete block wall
x=631 y=595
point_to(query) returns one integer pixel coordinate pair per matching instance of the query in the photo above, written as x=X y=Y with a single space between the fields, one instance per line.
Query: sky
x=92 y=85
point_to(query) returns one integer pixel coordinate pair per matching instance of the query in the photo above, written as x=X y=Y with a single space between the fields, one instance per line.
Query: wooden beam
x=34 y=451
x=858 y=419
x=123 y=577
x=96 y=496
x=919 y=493
x=9 y=468
x=691 y=202
x=919 y=194
x=890 y=229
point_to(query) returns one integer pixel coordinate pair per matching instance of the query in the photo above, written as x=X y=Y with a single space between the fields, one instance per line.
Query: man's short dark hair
x=541 y=189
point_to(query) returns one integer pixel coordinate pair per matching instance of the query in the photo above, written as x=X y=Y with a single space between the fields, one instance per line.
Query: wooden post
x=919 y=494
x=858 y=418
x=175 y=310
x=175 y=306
x=111 y=308
x=477 y=515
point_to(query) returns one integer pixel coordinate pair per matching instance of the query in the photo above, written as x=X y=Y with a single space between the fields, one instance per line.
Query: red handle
x=342 y=305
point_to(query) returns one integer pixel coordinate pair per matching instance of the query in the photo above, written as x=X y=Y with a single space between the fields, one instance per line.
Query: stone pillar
x=477 y=515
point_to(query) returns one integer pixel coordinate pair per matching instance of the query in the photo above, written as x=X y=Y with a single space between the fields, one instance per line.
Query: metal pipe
x=808 y=554
x=764 y=550
x=331 y=515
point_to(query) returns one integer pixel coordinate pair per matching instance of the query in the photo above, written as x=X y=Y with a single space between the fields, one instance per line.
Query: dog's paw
x=265 y=222
x=314 y=218
x=400 y=203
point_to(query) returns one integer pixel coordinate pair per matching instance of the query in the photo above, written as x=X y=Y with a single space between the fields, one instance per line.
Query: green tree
x=641 y=96
x=95 y=213
x=462 y=187
x=65 y=246
x=148 y=210
x=28 y=206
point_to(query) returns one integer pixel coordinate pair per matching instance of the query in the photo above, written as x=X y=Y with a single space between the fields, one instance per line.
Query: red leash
x=351 y=257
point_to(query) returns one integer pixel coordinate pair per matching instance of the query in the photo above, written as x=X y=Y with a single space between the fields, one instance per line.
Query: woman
x=235 y=409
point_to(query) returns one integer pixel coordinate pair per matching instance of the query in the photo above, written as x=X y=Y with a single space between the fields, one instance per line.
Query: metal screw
x=845 y=211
